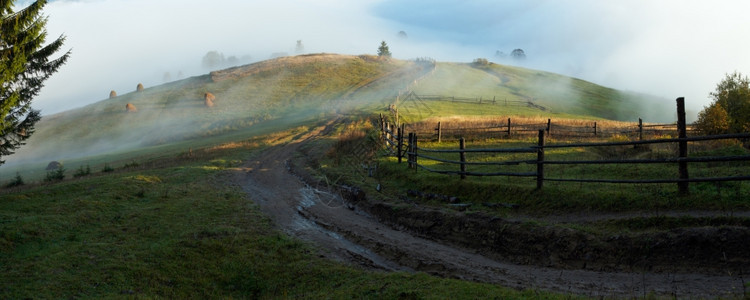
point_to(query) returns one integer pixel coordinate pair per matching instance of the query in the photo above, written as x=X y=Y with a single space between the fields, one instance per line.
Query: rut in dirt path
x=344 y=233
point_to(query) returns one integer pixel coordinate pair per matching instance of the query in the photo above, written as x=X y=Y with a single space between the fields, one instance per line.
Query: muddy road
x=344 y=232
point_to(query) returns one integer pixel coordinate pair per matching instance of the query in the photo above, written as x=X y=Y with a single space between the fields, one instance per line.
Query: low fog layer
x=665 y=48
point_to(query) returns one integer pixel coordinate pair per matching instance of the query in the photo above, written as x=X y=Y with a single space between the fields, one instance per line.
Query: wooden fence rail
x=593 y=129
x=414 y=153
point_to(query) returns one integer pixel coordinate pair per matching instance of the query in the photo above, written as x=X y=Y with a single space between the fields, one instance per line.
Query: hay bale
x=130 y=108
x=53 y=165
x=139 y=88
x=112 y=94
x=209 y=99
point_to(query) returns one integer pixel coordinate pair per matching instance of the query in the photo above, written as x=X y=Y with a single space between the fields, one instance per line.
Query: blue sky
x=668 y=48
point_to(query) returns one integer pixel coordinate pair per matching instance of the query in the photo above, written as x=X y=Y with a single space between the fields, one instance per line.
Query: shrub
x=18 y=181
x=132 y=164
x=481 y=62
x=57 y=175
x=713 y=120
x=107 y=168
x=81 y=172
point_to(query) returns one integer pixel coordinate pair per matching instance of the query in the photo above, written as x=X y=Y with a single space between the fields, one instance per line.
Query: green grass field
x=176 y=228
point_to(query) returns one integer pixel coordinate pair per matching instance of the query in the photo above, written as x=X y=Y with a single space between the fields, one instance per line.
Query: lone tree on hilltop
x=730 y=110
x=299 y=49
x=24 y=66
x=383 y=51
x=518 y=54
x=213 y=60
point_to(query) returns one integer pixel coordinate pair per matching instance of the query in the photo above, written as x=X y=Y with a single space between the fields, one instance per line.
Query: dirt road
x=344 y=233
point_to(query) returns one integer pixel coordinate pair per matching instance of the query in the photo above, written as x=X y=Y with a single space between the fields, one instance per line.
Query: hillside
x=557 y=93
x=303 y=87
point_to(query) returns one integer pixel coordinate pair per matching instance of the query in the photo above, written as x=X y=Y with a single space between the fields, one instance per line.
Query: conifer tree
x=383 y=50
x=24 y=66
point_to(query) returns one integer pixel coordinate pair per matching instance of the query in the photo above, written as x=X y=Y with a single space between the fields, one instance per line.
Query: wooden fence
x=394 y=137
x=443 y=131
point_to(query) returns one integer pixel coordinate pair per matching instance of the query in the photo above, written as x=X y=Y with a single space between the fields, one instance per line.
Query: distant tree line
x=215 y=60
x=517 y=54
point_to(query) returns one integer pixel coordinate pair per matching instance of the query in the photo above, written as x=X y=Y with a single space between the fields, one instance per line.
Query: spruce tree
x=383 y=50
x=24 y=66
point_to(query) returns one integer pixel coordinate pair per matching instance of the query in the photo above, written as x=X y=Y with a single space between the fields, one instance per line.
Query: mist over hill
x=311 y=86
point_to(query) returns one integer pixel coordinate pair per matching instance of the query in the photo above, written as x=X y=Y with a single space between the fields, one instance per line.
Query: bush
x=81 y=172
x=132 y=164
x=18 y=181
x=107 y=169
x=713 y=120
x=730 y=110
x=57 y=175
x=481 y=62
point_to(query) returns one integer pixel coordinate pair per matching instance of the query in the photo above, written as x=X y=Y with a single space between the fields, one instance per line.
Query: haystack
x=209 y=99
x=130 y=108
x=112 y=94
x=139 y=88
x=53 y=165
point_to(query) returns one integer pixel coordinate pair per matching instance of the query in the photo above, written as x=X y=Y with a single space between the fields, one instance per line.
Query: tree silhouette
x=299 y=49
x=518 y=54
x=383 y=50
x=213 y=60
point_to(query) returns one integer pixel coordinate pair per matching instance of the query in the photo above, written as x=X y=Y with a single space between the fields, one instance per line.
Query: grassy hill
x=559 y=94
x=283 y=92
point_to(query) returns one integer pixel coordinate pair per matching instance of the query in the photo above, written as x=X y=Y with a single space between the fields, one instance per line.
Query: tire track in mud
x=344 y=233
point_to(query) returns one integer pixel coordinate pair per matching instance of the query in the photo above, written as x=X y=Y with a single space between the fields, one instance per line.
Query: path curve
x=344 y=233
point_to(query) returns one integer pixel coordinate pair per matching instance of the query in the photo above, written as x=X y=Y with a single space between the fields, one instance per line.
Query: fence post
x=382 y=127
x=400 y=143
x=640 y=129
x=439 y=132
x=682 y=134
x=540 y=161
x=416 y=165
x=462 y=146
x=508 y=126
x=410 y=149
x=594 y=128
x=397 y=117
x=549 y=126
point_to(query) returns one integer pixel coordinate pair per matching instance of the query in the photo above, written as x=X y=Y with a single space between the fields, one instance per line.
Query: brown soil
x=348 y=226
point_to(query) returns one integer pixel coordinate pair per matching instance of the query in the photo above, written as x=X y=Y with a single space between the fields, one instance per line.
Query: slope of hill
x=245 y=96
x=558 y=93
x=295 y=88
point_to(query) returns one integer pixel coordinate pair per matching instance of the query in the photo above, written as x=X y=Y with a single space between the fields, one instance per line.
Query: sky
x=666 y=48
